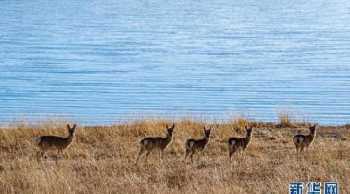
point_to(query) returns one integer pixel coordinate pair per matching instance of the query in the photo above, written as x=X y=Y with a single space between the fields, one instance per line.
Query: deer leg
x=43 y=154
x=39 y=155
x=192 y=156
x=243 y=154
x=230 y=153
x=298 y=148
x=240 y=155
x=147 y=154
x=142 y=150
x=59 y=153
x=186 y=154
x=161 y=155
x=62 y=154
x=56 y=158
x=232 y=158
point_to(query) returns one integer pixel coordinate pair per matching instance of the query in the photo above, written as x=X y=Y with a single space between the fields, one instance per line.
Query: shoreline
x=278 y=123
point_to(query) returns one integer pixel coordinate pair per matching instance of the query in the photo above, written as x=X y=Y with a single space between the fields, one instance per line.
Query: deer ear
x=172 y=127
x=68 y=126
x=74 y=126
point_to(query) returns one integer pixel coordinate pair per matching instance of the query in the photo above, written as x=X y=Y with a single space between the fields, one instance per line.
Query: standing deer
x=304 y=141
x=149 y=144
x=46 y=143
x=196 y=145
x=235 y=143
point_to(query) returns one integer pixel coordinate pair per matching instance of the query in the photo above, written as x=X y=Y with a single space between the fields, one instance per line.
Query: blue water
x=105 y=61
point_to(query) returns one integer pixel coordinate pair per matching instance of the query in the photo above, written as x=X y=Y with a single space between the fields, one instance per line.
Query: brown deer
x=46 y=143
x=304 y=141
x=235 y=143
x=149 y=144
x=196 y=145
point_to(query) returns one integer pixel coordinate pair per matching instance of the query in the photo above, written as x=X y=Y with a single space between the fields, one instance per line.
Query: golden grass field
x=101 y=159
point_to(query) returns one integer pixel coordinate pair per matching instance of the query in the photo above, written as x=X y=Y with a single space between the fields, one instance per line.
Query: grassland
x=101 y=159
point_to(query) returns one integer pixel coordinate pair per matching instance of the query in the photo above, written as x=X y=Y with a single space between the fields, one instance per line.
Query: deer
x=46 y=143
x=239 y=144
x=304 y=141
x=149 y=144
x=193 y=146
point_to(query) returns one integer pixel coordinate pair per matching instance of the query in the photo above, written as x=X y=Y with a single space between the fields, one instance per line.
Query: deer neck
x=248 y=138
x=206 y=139
x=312 y=134
x=168 y=137
x=70 y=137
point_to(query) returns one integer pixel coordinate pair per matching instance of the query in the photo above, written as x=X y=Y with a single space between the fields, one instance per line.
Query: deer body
x=304 y=141
x=149 y=144
x=235 y=143
x=196 y=145
x=153 y=143
x=46 y=143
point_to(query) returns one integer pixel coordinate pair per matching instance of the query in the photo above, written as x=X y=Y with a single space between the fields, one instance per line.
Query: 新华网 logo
x=313 y=188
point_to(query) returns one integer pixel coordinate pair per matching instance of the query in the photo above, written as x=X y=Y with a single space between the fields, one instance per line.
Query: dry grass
x=101 y=160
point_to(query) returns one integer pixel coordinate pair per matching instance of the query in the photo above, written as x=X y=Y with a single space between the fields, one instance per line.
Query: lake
x=100 y=62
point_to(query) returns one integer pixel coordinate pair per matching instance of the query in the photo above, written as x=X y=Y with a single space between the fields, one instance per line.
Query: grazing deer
x=304 y=141
x=196 y=145
x=235 y=143
x=149 y=144
x=46 y=143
